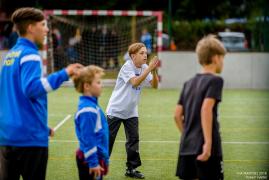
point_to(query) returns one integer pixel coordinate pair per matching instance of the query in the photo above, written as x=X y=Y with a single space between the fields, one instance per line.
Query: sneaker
x=133 y=173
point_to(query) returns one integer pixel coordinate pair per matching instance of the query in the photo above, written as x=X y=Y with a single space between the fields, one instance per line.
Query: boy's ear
x=86 y=85
x=214 y=59
x=132 y=56
x=29 y=28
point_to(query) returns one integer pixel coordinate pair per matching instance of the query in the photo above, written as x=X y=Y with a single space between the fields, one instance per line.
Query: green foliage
x=188 y=33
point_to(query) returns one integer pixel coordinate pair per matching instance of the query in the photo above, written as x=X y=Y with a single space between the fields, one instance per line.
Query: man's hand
x=72 y=69
x=96 y=171
x=205 y=154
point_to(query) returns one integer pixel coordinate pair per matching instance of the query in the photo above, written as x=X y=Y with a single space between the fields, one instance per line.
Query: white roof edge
x=236 y=34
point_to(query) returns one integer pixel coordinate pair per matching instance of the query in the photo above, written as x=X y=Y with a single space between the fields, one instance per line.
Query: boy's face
x=219 y=63
x=39 y=31
x=140 y=57
x=95 y=88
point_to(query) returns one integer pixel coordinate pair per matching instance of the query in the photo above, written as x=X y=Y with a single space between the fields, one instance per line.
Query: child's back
x=194 y=92
x=200 y=154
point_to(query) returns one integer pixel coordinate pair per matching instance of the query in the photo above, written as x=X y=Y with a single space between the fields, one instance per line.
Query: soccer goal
x=99 y=37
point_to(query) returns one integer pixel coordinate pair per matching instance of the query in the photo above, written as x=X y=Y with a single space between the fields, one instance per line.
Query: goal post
x=81 y=45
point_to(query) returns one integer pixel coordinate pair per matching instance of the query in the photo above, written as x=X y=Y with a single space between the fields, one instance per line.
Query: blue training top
x=92 y=131
x=23 y=96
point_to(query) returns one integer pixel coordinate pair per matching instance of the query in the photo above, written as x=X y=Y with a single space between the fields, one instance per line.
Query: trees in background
x=190 y=19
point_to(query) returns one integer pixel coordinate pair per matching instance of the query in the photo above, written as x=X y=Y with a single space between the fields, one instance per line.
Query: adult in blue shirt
x=23 y=107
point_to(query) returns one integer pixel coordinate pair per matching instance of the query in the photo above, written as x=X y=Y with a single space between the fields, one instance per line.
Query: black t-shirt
x=192 y=96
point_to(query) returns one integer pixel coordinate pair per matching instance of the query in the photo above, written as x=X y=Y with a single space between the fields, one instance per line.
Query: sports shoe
x=133 y=173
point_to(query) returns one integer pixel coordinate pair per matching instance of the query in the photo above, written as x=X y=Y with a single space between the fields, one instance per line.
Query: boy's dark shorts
x=190 y=168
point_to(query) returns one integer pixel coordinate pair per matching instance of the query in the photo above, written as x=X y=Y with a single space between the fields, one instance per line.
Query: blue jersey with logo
x=92 y=131
x=23 y=96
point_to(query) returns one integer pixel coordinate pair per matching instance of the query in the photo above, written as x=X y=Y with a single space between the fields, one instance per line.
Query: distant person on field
x=23 y=100
x=58 y=50
x=146 y=39
x=72 y=50
x=91 y=125
x=173 y=46
x=165 y=38
x=13 y=37
x=200 y=154
x=123 y=103
x=3 y=41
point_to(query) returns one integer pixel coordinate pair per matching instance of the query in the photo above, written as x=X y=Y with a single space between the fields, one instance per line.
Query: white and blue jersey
x=125 y=97
x=92 y=131
x=23 y=96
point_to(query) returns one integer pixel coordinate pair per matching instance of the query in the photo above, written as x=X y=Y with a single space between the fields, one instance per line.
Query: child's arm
x=178 y=116
x=207 y=121
x=136 y=81
x=155 y=79
x=88 y=130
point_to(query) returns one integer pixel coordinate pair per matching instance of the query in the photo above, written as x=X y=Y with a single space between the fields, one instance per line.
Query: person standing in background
x=146 y=39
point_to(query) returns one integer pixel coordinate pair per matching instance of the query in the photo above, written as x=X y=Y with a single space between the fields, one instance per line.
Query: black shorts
x=190 y=168
x=28 y=162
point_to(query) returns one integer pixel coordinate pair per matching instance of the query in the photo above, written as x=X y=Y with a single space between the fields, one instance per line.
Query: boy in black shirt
x=200 y=155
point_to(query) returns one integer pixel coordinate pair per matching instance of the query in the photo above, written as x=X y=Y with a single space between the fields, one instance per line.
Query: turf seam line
x=62 y=122
x=120 y=141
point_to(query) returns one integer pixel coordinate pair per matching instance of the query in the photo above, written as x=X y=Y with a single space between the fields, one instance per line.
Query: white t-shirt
x=124 y=99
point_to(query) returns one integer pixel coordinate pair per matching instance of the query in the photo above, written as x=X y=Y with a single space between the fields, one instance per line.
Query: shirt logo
x=10 y=58
x=9 y=62
x=136 y=88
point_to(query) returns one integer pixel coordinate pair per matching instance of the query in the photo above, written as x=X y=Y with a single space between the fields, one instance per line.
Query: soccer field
x=244 y=120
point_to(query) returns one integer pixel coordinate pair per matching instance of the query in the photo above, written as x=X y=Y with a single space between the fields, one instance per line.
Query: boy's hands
x=205 y=154
x=96 y=171
x=72 y=69
x=154 y=63
x=52 y=132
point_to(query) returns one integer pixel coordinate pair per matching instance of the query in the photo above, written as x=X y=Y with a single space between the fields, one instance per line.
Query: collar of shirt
x=89 y=98
x=27 y=42
x=136 y=68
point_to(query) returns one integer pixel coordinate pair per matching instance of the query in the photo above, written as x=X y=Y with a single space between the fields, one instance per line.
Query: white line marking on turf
x=258 y=142
x=172 y=142
x=63 y=141
x=168 y=159
x=220 y=116
x=62 y=122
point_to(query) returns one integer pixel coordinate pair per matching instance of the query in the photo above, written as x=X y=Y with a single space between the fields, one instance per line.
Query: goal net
x=98 y=37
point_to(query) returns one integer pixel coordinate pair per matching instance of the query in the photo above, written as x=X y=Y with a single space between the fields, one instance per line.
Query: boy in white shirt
x=122 y=106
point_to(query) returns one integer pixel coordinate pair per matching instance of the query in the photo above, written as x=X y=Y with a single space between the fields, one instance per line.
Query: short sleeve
x=149 y=76
x=214 y=89
x=180 y=100
x=127 y=72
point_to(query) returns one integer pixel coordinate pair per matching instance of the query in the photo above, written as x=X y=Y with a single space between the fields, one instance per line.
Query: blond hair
x=134 y=48
x=86 y=75
x=208 y=47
